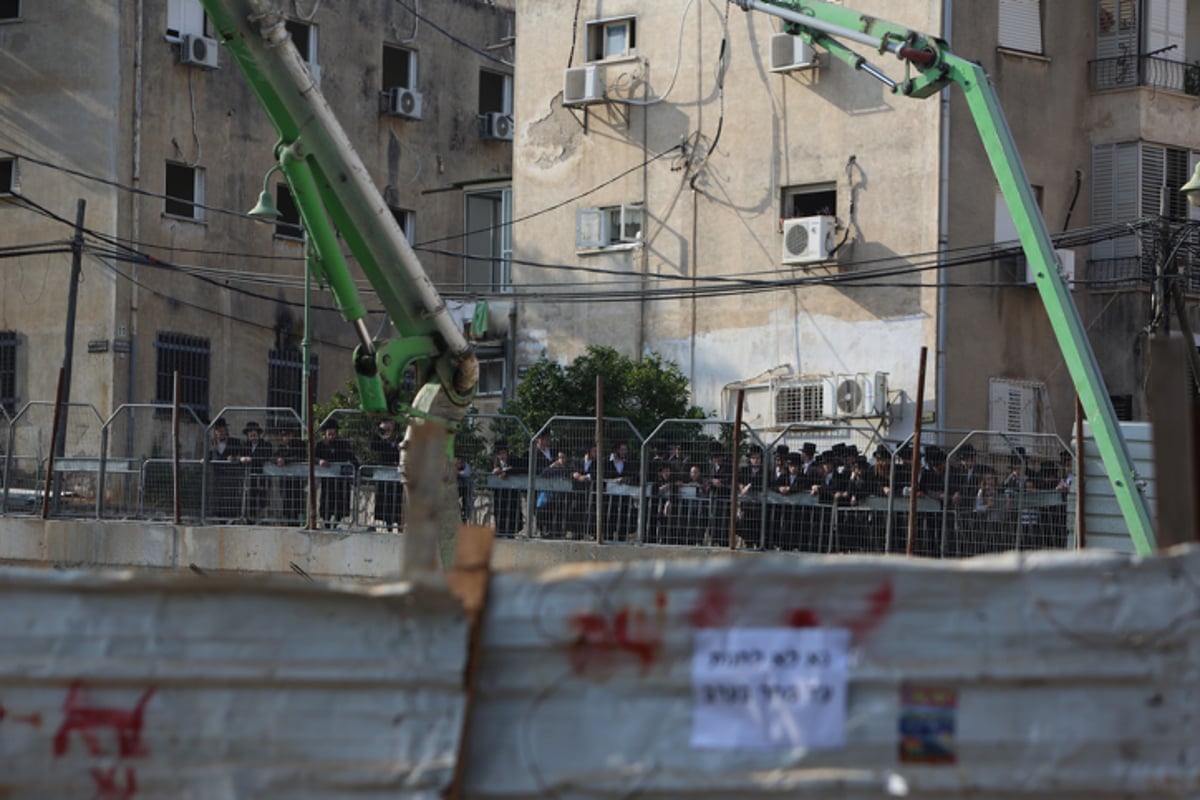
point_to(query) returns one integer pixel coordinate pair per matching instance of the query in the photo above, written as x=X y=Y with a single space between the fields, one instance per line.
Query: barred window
x=191 y=356
x=8 y=371
x=285 y=371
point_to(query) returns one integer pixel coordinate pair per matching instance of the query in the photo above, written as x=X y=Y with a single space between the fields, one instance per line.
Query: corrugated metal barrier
x=1047 y=675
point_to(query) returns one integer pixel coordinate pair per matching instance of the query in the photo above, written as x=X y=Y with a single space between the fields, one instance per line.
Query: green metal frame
x=931 y=67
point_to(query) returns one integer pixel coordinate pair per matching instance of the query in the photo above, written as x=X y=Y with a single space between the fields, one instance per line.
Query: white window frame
x=184 y=18
x=314 y=68
x=197 y=199
x=412 y=67
x=495 y=365
x=406 y=219
x=500 y=241
x=609 y=227
x=506 y=99
x=1020 y=26
x=598 y=38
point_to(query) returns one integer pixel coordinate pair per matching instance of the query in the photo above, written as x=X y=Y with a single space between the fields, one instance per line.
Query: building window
x=399 y=68
x=285 y=380
x=191 y=357
x=818 y=200
x=8 y=177
x=405 y=219
x=614 y=226
x=491 y=377
x=185 y=17
x=10 y=10
x=488 y=246
x=611 y=38
x=304 y=36
x=1122 y=406
x=8 y=371
x=288 y=225
x=184 y=190
x=495 y=92
x=1018 y=406
x=1021 y=25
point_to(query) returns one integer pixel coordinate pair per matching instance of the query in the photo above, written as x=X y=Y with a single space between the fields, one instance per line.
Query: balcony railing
x=1182 y=244
x=1134 y=70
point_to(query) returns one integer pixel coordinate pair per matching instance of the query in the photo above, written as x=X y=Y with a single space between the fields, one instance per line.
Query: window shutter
x=1126 y=205
x=589 y=228
x=1103 y=184
x=1166 y=22
x=1116 y=34
x=1021 y=25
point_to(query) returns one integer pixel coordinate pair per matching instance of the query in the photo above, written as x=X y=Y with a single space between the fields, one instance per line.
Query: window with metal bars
x=803 y=403
x=191 y=357
x=285 y=378
x=8 y=371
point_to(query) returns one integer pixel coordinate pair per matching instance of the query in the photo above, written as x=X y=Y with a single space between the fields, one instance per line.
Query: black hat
x=882 y=453
x=221 y=423
x=782 y=450
x=795 y=458
x=329 y=425
x=499 y=444
x=838 y=449
x=251 y=426
x=820 y=459
x=935 y=454
x=755 y=450
x=905 y=452
x=809 y=448
x=717 y=449
x=966 y=451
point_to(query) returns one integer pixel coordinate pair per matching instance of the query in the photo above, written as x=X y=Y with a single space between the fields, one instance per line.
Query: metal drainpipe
x=645 y=256
x=135 y=226
x=939 y=369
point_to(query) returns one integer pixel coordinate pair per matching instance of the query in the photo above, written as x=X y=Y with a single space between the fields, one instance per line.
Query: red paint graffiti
x=601 y=638
x=106 y=784
x=879 y=605
x=803 y=618
x=86 y=720
x=712 y=610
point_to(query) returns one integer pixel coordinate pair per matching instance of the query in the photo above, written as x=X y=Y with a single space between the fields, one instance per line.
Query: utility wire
x=449 y=35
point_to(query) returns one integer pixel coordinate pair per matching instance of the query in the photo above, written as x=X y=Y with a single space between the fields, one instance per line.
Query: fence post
x=916 y=458
x=599 y=488
x=58 y=401
x=177 y=506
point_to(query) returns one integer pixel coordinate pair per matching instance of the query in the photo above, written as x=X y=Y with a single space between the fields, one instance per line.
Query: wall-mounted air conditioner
x=1066 y=260
x=804 y=400
x=496 y=125
x=198 y=51
x=583 y=86
x=790 y=53
x=404 y=102
x=854 y=396
x=808 y=239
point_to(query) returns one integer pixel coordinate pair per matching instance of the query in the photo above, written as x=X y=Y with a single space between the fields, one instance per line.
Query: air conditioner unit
x=199 y=51
x=854 y=396
x=789 y=53
x=1066 y=261
x=583 y=86
x=804 y=400
x=881 y=394
x=808 y=239
x=496 y=125
x=404 y=102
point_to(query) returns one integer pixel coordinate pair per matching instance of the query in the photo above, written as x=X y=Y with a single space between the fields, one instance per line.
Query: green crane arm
x=335 y=195
x=931 y=67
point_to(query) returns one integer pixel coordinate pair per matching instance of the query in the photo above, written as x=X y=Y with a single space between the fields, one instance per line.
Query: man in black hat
x=337 y=456
x=291 y=450
x=751 y=482
x=389 y=490
x=508 y=475
x=256 y=451
x=226 y=471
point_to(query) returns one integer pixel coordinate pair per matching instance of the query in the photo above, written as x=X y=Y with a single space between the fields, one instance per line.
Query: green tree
x=644 y=391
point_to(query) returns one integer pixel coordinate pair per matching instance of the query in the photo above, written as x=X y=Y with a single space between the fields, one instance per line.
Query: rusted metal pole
x=915 y=463
x=311 y=523
x=733 y=484
x=58 y=403
x=598 y=465
x=1077 y=466
x=175 y=482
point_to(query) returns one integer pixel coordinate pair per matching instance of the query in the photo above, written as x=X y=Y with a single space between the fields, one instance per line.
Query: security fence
x=688 y=483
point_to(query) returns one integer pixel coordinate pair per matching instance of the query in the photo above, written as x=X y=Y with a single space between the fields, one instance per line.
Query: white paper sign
x=769 y=688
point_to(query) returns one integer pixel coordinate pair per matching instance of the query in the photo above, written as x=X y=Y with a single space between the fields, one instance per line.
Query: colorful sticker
x=927 y=720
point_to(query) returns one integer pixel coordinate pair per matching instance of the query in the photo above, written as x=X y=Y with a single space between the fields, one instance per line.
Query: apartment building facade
x=137 y=110
x=691 y=179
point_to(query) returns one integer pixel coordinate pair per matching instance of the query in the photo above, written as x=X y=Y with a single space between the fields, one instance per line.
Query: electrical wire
x=678 y=62
x=449 y=35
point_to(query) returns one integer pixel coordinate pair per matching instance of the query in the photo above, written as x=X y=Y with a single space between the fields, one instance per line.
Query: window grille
x=191 y=356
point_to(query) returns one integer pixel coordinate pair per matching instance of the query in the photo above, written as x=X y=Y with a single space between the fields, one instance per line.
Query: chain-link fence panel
x=491 y=486
x=74 y=484
x=137 y=467
x=697 y=485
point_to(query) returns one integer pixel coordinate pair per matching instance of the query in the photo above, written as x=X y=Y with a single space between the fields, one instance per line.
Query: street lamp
x=265 y=209
x=1191 y=189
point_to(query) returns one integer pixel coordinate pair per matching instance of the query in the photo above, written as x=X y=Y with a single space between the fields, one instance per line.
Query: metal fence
x=688 y=483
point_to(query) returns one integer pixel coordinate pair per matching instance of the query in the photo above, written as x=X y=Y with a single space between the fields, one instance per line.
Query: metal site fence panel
x=76 y=467
x=238 y=483
x=492 y=483
x=691 y=472
x=156 y=496
x=563 y=465
x=134 y=436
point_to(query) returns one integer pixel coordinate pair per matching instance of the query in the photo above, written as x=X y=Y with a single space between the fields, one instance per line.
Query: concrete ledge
x=254 y=548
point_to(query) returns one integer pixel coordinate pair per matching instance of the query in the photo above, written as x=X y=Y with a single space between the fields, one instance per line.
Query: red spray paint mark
x=86 y=720
x=803 y=618
x=600 y=639
x=106 y=784
x=712 y=610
